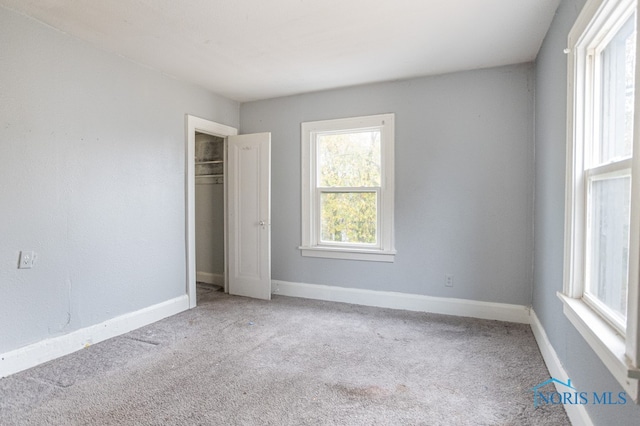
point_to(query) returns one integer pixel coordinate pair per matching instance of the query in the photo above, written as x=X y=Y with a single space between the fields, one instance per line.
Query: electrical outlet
x=448 y=280
x=26 y=259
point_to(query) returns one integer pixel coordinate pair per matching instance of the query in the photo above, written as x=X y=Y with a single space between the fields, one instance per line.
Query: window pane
x=608 y=244
x=616 y=115
x=349 y=217
x=349 y=159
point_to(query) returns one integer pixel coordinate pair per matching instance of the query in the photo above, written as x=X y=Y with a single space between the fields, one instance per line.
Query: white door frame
x=192 y=125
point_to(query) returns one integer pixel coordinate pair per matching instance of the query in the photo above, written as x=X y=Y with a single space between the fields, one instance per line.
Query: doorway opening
x=246 y=185
x=210 y=206
x=206 y=192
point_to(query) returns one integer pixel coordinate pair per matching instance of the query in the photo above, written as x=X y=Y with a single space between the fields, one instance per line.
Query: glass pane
x=609 y=210
x=349 y=159
x=348 y=217
x=616 y=114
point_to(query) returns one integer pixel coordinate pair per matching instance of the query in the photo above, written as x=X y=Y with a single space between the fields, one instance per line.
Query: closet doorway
x=209 y=202
x=210 y=184
x=242 y=167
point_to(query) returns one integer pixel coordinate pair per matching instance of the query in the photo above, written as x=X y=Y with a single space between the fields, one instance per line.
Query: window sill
x=605 y=341
x=349 y=254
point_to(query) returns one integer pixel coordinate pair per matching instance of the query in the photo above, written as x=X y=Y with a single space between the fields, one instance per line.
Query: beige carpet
x=237 y=361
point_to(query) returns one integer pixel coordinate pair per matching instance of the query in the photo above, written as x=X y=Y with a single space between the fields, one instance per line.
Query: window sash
x=348 y=190
x=621 y=169
x=594 y=82
x=316 y=136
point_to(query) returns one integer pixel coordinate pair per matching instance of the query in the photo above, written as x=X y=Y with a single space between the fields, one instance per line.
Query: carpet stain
x=445 y=389
x=370 y=392
x=142 y=340
x=402 y=388
x=62 y=382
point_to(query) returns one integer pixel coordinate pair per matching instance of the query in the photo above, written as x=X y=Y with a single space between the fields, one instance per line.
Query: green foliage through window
x=349 y=217
x=348 y=165
x=349 y=159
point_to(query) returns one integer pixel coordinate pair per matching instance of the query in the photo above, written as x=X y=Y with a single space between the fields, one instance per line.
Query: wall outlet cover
x=448 y=280
x=26 y=259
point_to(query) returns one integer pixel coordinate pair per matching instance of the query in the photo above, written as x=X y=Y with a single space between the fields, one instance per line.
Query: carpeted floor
x=238 y=361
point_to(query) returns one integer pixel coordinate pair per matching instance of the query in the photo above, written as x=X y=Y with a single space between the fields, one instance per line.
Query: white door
x=249 y=214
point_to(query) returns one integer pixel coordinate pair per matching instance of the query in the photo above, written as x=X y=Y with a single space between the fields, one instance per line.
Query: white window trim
x=620 y=353
x=384 y=251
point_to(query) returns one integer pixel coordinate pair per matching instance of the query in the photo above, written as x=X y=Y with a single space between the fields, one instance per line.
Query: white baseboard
x=48 y=349
x=577 y=413
x=209 y=278
x=409 y=302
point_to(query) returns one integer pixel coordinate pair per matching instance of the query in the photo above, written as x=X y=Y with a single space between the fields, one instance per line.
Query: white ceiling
x=256 y=49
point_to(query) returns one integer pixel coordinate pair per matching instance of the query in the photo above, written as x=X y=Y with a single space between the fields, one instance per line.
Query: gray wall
x=464 y=183
x=92 y=178
x=584 y=368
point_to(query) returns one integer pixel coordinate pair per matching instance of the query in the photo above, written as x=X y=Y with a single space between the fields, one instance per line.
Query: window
x=347 y=188
x=600 y=292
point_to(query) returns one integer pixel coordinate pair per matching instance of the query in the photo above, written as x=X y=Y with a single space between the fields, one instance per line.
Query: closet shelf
x=210 y=162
